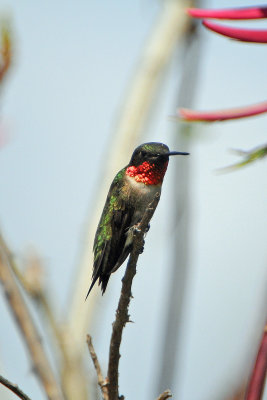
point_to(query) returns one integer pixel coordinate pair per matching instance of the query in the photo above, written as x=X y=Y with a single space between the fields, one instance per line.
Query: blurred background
x=61 y=106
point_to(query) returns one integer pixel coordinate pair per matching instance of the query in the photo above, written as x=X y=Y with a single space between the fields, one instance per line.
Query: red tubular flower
x=228 y=13
x=222 y=115
x=256 y=383
x=244 y=35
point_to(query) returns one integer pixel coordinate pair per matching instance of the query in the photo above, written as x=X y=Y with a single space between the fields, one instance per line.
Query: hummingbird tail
x=103 y=280
x=91 y=286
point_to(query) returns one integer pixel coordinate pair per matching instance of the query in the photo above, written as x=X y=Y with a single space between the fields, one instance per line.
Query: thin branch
x=165 y=395
x=257 y=379
x=101 y=381
x=122 y=316
x=189 y=115
x=230 y=13
x=241 y=34
x=14 y=388
x=27 y=327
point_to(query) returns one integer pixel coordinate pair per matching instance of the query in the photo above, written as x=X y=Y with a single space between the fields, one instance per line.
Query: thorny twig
x=110 y=390
x=122 y=316
x=14 y=388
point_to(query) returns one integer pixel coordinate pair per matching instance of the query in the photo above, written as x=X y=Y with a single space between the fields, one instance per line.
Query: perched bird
x=132 y=190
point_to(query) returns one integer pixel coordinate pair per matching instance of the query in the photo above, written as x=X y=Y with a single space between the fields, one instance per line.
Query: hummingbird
x=132 y=190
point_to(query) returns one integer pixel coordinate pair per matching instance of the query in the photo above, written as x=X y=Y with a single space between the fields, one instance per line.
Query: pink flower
x=244 y=35
x=222 y=115
x=241 y=34
x=230 y=13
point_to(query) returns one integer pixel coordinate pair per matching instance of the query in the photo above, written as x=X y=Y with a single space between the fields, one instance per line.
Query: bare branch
x=27 y=327
x=165 y=395
x=101 y=381
x=14 y=388
x=122 y=316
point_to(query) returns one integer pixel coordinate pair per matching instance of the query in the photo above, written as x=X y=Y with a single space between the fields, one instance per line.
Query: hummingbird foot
x=136 y=228
x=147 y=229
x=142 y=248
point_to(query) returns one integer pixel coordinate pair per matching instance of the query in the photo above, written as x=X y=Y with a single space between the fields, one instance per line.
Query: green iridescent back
x=104 y=230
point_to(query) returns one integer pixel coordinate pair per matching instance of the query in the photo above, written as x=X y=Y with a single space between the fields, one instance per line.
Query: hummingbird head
x=149 y=162
x=153 y=153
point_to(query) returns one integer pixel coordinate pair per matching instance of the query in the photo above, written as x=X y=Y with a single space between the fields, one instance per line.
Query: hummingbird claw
x=142 y=248
x=136 y=229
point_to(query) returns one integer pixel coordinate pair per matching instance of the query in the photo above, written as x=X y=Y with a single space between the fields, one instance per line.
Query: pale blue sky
x=73 y=64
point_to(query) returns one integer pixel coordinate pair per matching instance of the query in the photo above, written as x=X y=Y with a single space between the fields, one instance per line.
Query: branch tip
x=14 y=388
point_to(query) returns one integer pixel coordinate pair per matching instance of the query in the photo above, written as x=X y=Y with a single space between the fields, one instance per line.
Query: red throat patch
x=149 y=174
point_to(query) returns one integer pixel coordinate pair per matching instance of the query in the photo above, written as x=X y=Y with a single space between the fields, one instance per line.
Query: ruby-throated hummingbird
x=132 y=190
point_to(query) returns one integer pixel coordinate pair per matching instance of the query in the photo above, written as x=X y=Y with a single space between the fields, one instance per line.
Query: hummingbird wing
x=110 y=241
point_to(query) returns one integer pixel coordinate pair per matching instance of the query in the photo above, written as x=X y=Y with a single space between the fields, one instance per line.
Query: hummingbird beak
x=176 y=153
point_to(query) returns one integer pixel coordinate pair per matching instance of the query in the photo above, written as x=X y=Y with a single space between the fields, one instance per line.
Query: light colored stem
x=27 y=327
x=177 y=284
